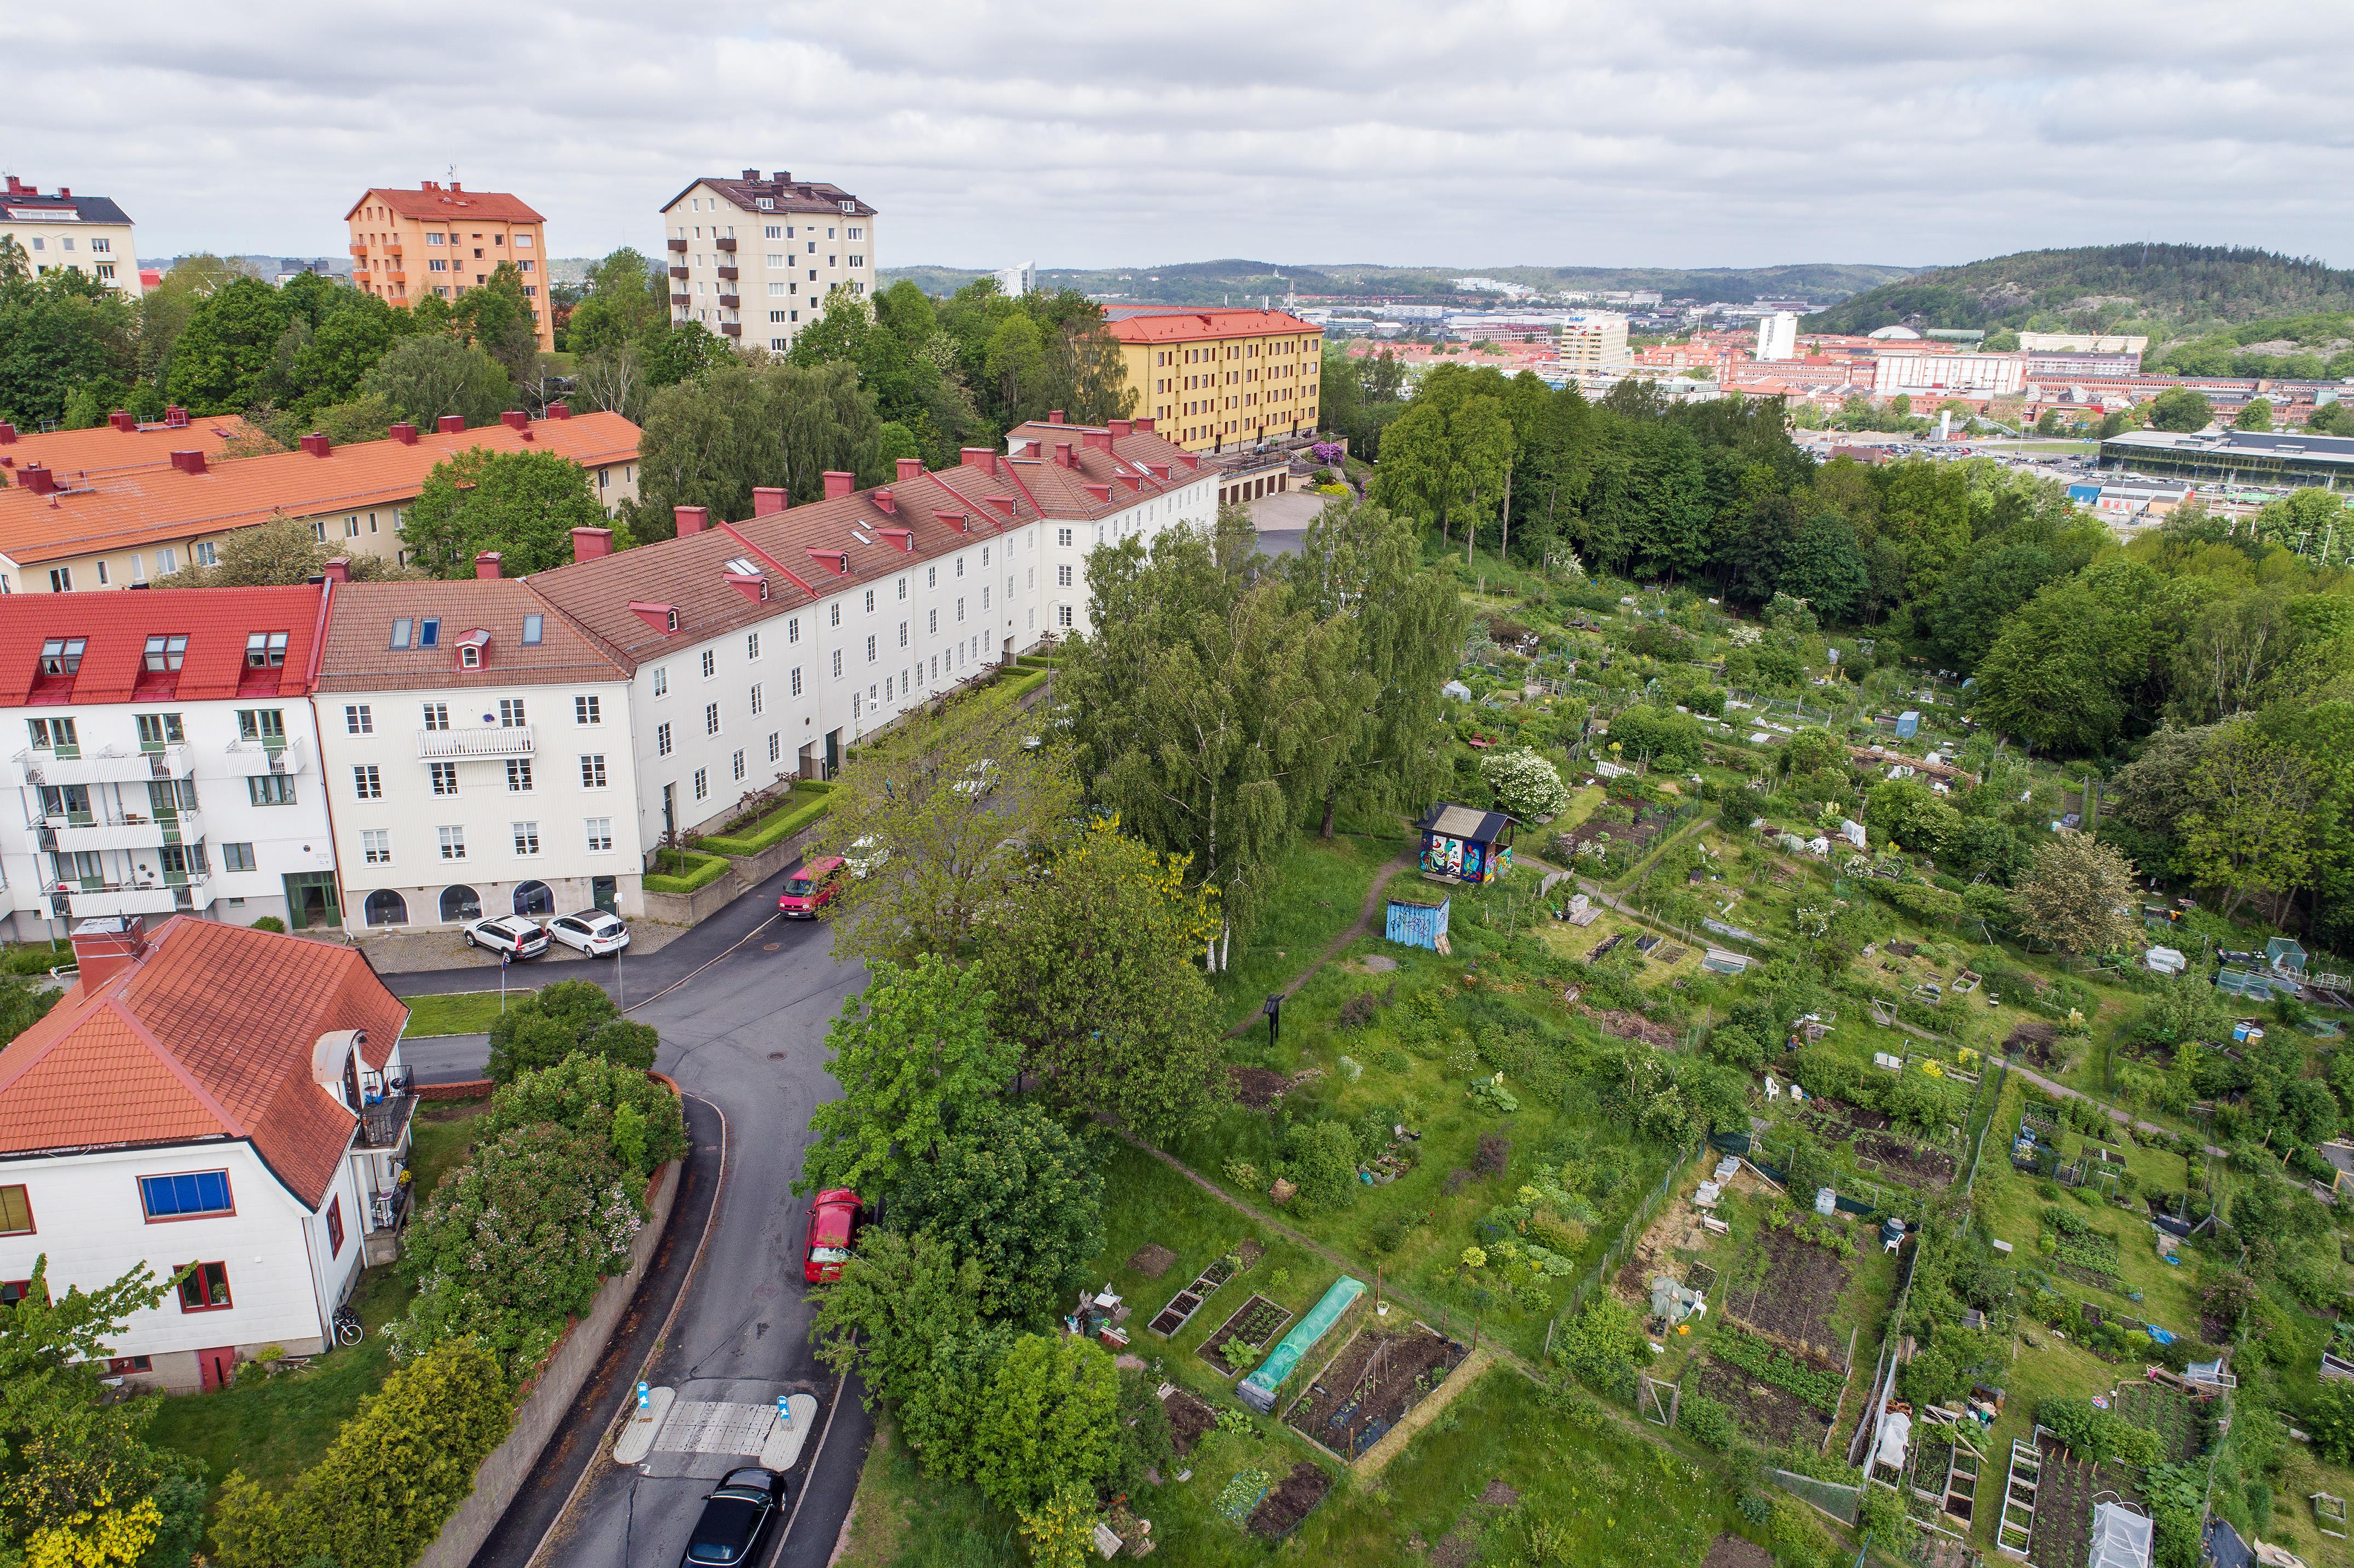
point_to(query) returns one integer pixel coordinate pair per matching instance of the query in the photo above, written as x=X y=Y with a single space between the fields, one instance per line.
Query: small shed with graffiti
x=1461 y=844
x=1418 y=925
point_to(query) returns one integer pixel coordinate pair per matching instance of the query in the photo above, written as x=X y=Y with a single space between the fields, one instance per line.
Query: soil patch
x=1256 y=1088
x=1497 y=1494
x=2031 y=1042
x=1774 y=1416
x=1838 y=1120
x=1795 y=1294
x=1732 y=1552
x=1280 y=1512
x=1253 y=1323
x=1152 y=1261
x=1375 y=1379
x=1907 y=1162
x=1632 y=1026
x=1190 y=1417
x=2065 y=1498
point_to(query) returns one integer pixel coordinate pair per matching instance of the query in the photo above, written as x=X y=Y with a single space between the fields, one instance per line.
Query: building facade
x=1208 y=379
x=408 y=244
x=1965 y=375
x=1777 y=336
x=754 y=260
x=1594 y=341
x=63 y=232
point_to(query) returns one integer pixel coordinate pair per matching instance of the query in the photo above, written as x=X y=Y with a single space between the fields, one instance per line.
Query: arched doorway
x=535 y=898
x=461 y=903
x=385 y=908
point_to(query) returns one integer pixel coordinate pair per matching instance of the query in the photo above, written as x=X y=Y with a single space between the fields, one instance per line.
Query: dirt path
x=2121 y=1117
x=1376 y=901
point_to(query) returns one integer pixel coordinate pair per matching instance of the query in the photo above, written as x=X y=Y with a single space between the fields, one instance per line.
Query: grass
x=786 y=816
x=460 y=1012
x=683 y=871
x=1320 y=889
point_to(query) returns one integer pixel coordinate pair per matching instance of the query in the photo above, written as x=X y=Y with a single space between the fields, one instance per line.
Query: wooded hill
x=1241 y=282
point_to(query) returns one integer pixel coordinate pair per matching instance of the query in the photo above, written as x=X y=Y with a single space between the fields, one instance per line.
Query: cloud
x=1483 y=133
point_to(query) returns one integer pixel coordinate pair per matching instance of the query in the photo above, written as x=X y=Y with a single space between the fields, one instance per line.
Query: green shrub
x=774 y=832
x=1705 y=1422
x=271 y=923
x=2092 y=1434
x=1320 y=1158
x=30 y=958
x=587 y=1093
x=538 y=1031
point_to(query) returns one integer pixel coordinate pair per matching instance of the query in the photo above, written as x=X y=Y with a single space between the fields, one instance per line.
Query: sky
x=1506 y=133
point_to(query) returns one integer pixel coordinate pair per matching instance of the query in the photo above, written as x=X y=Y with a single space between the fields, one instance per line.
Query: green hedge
x=707 y=869
x=1027 y=683
x=777 y=832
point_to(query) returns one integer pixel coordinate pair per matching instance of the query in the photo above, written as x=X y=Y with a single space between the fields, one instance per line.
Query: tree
x=1015 y=1190
x=2180 y=409
x=2084 y=656
x=523 y=504
x=1445 y=454
x=627 y=299
x=541 y=1030
x=223 y=359
x=2256 y=416
x=2248 y=829
x=1061 y=1530
x=2079 y=895
x=431 y=373
x=614 y=380
x=165 y=310
x=1826 y=566
x=906 y=1315
x=1523 y=783
x=1093 y=965
x=711 y=440
x=497 y=317
x=595 y=1095
x=913 y=1054
x=1051 y=1422
x=281 y=553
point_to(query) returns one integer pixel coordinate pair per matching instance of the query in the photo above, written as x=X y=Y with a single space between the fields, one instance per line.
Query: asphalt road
x=742 y=1003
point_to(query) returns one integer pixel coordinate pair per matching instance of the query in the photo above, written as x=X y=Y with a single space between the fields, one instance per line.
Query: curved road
x=742 y=1002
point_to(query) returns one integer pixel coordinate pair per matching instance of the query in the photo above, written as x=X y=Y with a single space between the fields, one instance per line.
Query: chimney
x=910 y=468
x=338 y=570
x=1144 y=426
x=455 y=187
x=7 y=434
x=121 y=420
x=838 y=483
x=1123 y=428
x=692 y=519
x=751 y=176
x=188 y=462
x=1100 y=438
x=1053 y=416
x=176 y=416
x=978 y=457
x=105 y=947
x=41 y=482
x=768 y=500
x=588 y=544
x=486 y=566
x=784 y=176
x=317 y=444
x=887 y=501
x=515 y=419
x=559 y=411
x=449 y=425
x=404 y=432
x=1063 y=458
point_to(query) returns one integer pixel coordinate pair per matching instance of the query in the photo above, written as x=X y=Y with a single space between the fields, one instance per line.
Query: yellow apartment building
x=443 y=241
x=1211 y=379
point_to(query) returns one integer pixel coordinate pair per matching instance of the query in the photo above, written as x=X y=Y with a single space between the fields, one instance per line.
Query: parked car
x=593 y=931
x=514 y=935
x=834 y=1217
x=979 y=779
x=736 y=1519
x=865 y=854
x=816 y=885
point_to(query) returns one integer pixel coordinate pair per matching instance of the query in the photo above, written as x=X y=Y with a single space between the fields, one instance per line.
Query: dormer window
x=165 y=653
x=265 y=650
x=742 y=567
x=672 y=618
x=62 y=655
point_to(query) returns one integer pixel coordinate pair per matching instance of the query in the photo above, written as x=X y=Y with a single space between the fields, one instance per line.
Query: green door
x=310 y=900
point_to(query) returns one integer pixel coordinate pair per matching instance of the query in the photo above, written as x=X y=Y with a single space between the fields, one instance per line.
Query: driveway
x=1282 y=519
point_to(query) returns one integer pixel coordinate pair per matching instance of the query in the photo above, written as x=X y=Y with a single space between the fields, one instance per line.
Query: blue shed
x=1417 y=925
x=1908 y=723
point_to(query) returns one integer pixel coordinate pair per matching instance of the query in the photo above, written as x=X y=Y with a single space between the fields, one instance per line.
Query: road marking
x=715 y=1426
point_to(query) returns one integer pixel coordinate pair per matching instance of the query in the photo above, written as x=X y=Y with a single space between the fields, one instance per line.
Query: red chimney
x=338 y=570
x=176 y=416
x=121 y=420
x=1100 y=438
x=559 y=411
x=588 y=544
x=910 y=468
x=1063 y=454
x=1144 y=426
x=449 y=425
x=839 y=484
x=404 y=432
x=105 y=947
x=7 y=434
x=1053 y=416
x=188 y=462
x=486 y=566
x=514 y=419
x=978 y=457
x=692 y=519
x=768 y=500
x=317 y=444
x=888 y=502
x=41 y=482
x=1123 y=428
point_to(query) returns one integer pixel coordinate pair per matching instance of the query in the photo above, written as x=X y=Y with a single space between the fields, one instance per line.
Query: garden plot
x=1771 y=1414
x=1366 y=1389
x=1280 y=1512
x=2065 y=1494
x=2180 y=1421
x=1251 y=1326
x=1188 y=1301
x=1913 y=1164
x=1794 y=1295
x=1190 y=1418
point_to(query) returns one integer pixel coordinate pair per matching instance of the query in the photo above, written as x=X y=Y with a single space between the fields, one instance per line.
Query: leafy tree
x=1051 y=1422
x=907 y=1314
x=496 y=317
x=165 y=309
x=224 y=358
x=1656 y=735
x=1445 y=454
x=711 y=440
x=2246 y=831
x=913 y=1053
x=2084 y=656
x=1523 y=783
x=281 y=553
x=1826 y=566
x=2180 y=409
x=2256 y=416
x=599 y=1096
x=431 y=373
x=524 y=504
x=627 y=296
x=2079 y=895
x=1061 y=1530
x=541 y=1030
x=1969 y=612
x=1092 y=963
x=1013 y=1189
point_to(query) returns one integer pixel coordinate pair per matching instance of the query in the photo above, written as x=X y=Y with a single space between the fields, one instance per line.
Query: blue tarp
x=1258 y=1391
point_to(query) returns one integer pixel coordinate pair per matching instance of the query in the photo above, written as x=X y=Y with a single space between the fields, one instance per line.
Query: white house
x=475 y=753
x=213 y=1099
x=163 y=756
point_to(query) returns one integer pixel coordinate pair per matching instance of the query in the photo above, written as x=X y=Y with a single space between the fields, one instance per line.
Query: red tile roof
x=433 y=203
x=73 y=455
x=165 y=505
x=209 y=1034
x=115 y=627
x=1177 y=324
x=360 y=656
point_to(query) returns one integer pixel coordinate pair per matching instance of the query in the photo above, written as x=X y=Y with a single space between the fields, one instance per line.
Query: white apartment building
x=474 y=752
x=1595 y=340
x=754 y=260
x=1777 y=336
x=1974 y=375
x=64 y=232
x=164 y=758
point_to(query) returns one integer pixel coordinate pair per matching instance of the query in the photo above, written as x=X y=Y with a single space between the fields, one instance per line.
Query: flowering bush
x=1523 y=783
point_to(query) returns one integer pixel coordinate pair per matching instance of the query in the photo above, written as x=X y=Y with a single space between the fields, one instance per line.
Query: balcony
x=730 y=273
x=731 y=329
x=678 y=301
x=730 y=302
x=724 y=244
x=105 y=765
x=678 y=271
x=359 y=248
x=385 y=1124
x=393 y=248
x=92 y=899
x=396 y=277
x=67 y=834
x=252 y=758
x=676 y=245
x=489 y=742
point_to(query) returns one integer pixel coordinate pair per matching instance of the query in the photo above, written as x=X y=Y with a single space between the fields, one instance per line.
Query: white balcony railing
x=251 y=759
x=104 y=765
x=89 y=901
x=473 y=743
x=148 y=833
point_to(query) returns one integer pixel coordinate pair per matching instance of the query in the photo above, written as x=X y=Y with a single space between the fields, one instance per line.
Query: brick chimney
x=559 y=411
x=910 y=468
x=7 y=434
x=838 y=483
x=588 y=544
x=1101 y=439
x=317 y=444
x=105 y=947
x=486 y=566
x=41 y=482
x=768 y=500
x=337 y=570
x=515 y=419
x=1123 y=428
x=404 y=432
x=1144 y=425
x=120 y=420
x=451 y=425
x=1063 y=458
x=176 y=416
x=1053 y=416
x=188 y=462
x=978 y=457
x=692 y=519
x=887 y=502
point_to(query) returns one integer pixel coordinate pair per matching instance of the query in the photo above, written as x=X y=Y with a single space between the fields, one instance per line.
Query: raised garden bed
x=1253 y=1323
x=1190 y=1418
x=1366 y=1389
x=1188 y=1301
x=1279 y=1513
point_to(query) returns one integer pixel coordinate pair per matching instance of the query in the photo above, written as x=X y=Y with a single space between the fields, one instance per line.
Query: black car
x=736 y=1519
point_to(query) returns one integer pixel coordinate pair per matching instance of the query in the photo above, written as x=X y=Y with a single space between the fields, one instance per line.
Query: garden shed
x=2285 y=954
x=1462 y=844
x=1418 y=925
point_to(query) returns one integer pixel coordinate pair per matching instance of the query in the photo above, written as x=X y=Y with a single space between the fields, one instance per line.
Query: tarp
x=2121 y=1537
x=1258 y=1391
x=1895 y=1435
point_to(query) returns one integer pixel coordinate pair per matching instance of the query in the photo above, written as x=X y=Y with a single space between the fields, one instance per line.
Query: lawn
x=460 y=1012
x=1320 y=890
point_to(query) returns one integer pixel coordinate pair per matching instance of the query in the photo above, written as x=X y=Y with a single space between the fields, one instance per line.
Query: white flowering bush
x=1523 y=783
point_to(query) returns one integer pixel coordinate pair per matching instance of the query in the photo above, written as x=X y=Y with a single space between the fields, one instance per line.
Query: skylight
x=743 y=567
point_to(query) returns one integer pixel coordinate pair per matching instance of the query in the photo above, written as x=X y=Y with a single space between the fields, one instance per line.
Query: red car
x=810 y=888
x=834 y=1216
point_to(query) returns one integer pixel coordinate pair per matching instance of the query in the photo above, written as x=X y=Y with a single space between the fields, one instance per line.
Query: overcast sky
x=1668 y=133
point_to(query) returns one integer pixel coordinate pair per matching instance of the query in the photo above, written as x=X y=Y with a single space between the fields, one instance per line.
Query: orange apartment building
x=407 y=245
x=1211 y=378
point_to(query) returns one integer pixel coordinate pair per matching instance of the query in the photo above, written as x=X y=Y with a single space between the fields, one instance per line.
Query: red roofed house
x=407 y=245
x=1210 y=379
x=214 y=1098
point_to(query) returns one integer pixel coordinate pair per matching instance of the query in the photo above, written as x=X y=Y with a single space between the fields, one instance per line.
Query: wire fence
x=1842 y=1502
x=1628 y=1234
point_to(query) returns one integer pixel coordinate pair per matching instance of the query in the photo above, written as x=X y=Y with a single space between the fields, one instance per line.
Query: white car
x=513 y=935
x=593 y=931
x=979 y=779
x=864 y=855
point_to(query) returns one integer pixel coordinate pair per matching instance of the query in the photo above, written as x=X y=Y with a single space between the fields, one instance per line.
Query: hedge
x=1028 y=683
x=777 y=832
x=708 y=869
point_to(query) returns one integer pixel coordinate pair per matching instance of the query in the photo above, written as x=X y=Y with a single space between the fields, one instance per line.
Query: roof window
x=62 y=655
x=265 y=650
x=429 y=632
x=165 y=653
x=742 y=566
x=400 y=625
x=531 y=625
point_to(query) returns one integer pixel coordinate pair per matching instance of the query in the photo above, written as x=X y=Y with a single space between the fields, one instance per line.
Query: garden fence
x=1842 y=1502
x=1628 y=1234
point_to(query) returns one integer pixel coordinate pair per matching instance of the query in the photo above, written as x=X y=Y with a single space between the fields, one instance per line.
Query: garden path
x=2121 y=1117
x=1376 y=898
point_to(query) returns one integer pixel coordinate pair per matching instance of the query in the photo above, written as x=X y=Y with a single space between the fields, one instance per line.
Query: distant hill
x=2168 y=291
x=1238 y=282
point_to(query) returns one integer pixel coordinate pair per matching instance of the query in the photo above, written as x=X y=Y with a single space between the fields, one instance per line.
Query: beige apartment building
x=1210 y=379
x=407 y=245
x=753 y=260
x=1595 y=340
x=64 y=232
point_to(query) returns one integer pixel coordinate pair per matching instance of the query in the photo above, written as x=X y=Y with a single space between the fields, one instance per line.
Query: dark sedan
x=736 y=1519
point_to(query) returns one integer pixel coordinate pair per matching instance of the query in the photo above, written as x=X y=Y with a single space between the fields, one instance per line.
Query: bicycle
x=348 y=1330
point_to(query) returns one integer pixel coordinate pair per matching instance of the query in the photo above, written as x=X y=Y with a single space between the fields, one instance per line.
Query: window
x=527 y=838
x=429 y=632
x=191 y=1196
x=205 y=1288
x=376 y=846
x=751 y=645
x=436 y=715
x=165 y=653
x=367 y=784
x=711 y=718
x=702 y=784
x=519 y=775
x=400 y=625
x=870 y=601
x=588 y=710
x=931 y=577
x=16 y=1212
x=902 y=587
x=834 y=614
x=55 y=734
x=797 y=680
x=1062 y=577
x=15 y=1290
x=511 y=713
x=1061 y=615
x=662 y=740
x=271 y=789
x=357 y=719
x=776 y=745
x=62 y=655
x=532 y=627
x=710 y=663
x=206 y=553
x=794 y=631
x=267 y=725
x=903 y=634
x=756 y=696
x=453 y=842
x=116 y=1366
x=61 y=579
x=236 y=857
x=265 y=650
x=592 y=771
x=601 y=835
x=335 y=1225
x=837 y=663
x=739 y=765
x=959 y=607
x=470 y=656
x=445 y=776
x=160 y=730
x=870 y=649
x=662 y=682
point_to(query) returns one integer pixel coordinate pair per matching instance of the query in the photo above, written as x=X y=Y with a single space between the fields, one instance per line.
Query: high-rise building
x=1215 y=378
x=407 y=245
x=754 y=260
x=64 y=232
x=1778 y=336
x=1595 y=340
x=1018 y=280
